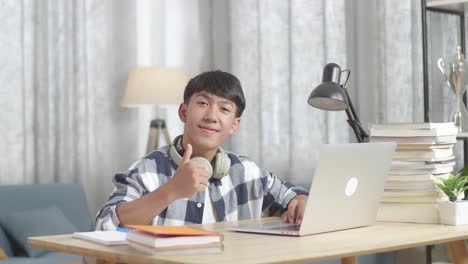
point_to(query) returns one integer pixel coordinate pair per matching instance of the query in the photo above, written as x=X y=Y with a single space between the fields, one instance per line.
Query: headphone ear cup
x=174 y=154
x=209 y=168
x=222 y=165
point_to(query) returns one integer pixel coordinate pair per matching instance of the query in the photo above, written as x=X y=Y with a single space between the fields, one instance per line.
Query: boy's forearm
x=143 y=210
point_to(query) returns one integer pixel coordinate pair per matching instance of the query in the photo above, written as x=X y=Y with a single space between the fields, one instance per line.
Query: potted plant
x=453 y=211
x=464 y=173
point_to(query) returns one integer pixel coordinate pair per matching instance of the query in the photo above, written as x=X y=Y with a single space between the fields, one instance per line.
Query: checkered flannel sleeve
x=141 y=178
x=278 y=194
x=127 y=187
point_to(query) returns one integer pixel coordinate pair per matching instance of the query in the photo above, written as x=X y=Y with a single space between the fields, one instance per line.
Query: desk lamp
x=154 y=86
x=330 y=95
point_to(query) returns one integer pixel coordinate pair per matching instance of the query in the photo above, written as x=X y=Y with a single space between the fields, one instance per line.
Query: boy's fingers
x=300 y=211
x=202 y=168
x=292 y=210
x=204 y=181
x=187 y=154
x=284 y=217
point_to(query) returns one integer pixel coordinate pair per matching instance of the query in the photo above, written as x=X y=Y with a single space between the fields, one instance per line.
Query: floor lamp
x=155 y=86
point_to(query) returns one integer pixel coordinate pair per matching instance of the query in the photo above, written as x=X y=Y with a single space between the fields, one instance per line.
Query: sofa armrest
x=5 y=243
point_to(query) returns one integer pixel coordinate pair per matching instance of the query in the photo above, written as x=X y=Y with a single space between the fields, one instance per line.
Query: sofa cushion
x=41 y=260
x=38 y=222
x=69 y=198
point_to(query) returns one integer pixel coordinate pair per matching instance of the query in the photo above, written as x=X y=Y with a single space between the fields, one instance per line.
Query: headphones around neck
x=222 y=163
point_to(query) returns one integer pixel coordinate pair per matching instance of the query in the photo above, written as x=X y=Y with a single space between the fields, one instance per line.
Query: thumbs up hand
x=191 y=176
x=187 y=155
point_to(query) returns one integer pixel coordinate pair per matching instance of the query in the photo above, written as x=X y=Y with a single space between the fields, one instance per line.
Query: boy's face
x=209 y=120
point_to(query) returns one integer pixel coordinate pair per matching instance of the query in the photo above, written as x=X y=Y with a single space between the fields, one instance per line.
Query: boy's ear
x=183 y=112
x=235 y=125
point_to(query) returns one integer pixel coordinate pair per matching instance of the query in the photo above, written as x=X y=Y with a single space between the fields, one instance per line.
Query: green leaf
x=463 y=172
x=453 y=186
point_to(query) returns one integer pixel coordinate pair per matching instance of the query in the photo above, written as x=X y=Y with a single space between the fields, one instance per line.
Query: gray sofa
x=36 y=210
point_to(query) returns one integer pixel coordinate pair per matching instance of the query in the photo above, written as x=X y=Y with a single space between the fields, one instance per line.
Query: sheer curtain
x=388 y=59
x=278 y=50
x=387 y=56
x=64 y=65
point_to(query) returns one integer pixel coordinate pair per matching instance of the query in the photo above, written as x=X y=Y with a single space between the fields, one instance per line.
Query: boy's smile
x=208 y=130
x=209 y=119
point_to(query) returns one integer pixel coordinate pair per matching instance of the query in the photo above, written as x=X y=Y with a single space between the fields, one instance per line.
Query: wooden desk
x=248 y=248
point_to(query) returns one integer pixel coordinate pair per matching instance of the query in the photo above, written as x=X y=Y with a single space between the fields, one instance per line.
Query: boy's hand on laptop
x=191 y=176
x=296 y=208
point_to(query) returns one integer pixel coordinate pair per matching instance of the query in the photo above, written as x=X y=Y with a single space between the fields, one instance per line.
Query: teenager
x=193 y=180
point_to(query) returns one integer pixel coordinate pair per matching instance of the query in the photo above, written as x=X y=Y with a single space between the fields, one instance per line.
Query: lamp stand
x=353 y=120
x=157 y=127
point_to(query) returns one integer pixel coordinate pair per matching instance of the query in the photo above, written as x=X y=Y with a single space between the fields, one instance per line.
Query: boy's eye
x=201 y=103
x=224 y=109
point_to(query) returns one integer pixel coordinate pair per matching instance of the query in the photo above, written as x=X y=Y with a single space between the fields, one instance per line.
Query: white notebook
x=108 y=238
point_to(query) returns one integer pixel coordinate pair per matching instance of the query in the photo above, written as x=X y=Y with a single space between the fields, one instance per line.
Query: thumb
x=187 y=154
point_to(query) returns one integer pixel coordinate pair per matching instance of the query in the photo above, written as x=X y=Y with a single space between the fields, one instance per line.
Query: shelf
x=452 y=7
x=448 y=5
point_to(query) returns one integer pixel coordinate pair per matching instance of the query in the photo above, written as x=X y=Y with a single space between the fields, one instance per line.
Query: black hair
x=219 y=83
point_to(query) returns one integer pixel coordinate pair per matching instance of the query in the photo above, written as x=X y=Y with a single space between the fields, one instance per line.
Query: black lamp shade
x=328 y=96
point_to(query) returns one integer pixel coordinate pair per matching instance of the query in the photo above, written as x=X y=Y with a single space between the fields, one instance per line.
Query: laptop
x=345 y=193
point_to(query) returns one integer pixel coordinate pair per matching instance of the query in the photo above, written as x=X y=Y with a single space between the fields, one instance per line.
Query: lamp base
x=156 y=127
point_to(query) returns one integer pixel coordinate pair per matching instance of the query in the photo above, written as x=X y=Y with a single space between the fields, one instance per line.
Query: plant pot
x=453 y=213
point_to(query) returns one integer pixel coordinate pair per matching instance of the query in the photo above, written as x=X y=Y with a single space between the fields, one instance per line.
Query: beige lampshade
x=154 y=86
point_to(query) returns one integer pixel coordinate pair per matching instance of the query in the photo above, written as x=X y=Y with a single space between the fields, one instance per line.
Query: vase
x=453 y=213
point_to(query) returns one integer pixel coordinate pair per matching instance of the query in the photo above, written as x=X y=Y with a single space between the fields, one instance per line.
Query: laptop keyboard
x=280 y=225
x=277 y=223
x=289 y=228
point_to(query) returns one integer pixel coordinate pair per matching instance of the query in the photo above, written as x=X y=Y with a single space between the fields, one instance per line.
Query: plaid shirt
x=247 y=192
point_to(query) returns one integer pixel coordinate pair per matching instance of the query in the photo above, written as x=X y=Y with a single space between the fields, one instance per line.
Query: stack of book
x=158 y=239
x=424 y=155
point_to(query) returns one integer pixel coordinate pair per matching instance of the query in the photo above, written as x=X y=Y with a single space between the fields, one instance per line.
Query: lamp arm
x=350 y=103
x=353 y=120
x=354 y=125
